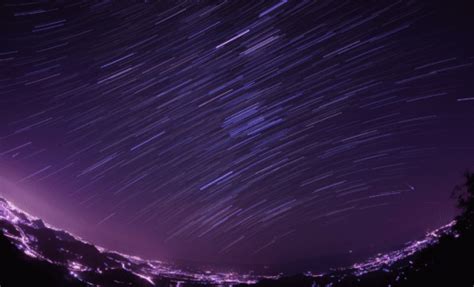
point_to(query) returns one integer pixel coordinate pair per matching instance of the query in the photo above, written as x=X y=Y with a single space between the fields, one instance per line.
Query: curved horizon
x=297 y=135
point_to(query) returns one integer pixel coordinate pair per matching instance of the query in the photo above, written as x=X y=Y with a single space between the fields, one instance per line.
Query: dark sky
x=237 y=131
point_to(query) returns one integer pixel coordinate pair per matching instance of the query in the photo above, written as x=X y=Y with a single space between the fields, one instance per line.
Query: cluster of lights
x=145 y=269
x=382 y=261
x=150 y=269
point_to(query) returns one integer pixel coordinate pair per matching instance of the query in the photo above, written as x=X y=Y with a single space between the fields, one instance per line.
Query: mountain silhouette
x=36 y=254
x=444 y=258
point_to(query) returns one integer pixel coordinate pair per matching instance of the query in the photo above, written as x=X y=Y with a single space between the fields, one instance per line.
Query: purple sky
x=264 y=132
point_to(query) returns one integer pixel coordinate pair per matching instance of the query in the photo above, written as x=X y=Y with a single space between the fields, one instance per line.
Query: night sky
x=237 y=131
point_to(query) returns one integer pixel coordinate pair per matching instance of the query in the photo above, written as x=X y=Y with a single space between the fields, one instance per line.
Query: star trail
x=237 y=131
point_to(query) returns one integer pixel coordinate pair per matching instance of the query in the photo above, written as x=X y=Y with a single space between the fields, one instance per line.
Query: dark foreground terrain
x=34 y=254
x=448 y=261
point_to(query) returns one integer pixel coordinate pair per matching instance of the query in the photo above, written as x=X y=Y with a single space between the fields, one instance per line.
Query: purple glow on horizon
x=284 y=135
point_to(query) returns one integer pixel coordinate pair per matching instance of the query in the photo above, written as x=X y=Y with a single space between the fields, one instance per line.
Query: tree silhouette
x=446 y=263
x=465 y=196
